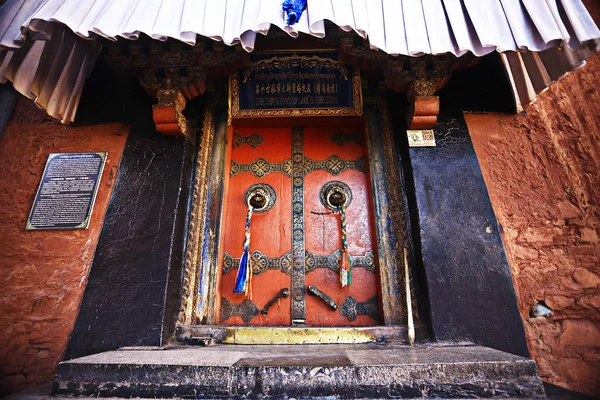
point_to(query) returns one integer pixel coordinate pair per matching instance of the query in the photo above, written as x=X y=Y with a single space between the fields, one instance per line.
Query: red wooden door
x=297 y=243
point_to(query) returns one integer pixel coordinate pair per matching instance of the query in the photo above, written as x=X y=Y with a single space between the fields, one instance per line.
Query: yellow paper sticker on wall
x=421 y=138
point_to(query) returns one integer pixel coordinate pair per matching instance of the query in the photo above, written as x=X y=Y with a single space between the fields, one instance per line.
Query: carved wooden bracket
x=425 y=107
x=174 y=73
x=424 y=78
x=425 y=110
x=172 y=86
x=418 y=77
x=168 y=113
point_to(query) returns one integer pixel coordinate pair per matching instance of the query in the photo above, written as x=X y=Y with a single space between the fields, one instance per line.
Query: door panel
x=264 y=155
x=270 y=231
x=323 y=231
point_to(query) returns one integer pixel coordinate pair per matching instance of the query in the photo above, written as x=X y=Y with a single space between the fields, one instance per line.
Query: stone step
x=301 y=371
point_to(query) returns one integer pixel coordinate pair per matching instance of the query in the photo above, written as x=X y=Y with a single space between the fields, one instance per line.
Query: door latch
x=283 y=293
x=318 y=293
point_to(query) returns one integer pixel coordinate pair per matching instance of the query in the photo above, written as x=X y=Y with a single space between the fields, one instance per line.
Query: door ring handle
x=261 y=197
x=334 y=194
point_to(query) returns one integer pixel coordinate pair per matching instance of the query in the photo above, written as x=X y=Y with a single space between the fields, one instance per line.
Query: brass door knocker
x=259 y=198
x=258 y=201
x=335 y=194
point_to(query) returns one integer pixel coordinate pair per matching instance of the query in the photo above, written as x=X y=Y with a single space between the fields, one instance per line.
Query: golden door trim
x=195 y=242
x=291 y=335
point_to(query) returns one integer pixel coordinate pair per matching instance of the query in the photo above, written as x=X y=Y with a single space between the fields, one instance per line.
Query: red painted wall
x=43 y=273
x=542 y=172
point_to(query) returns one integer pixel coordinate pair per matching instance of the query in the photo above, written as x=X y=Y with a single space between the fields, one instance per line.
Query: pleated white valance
x=407 y=27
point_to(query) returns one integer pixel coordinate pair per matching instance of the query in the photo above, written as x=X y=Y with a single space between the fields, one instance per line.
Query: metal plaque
x=295 y=84
x=67 y=191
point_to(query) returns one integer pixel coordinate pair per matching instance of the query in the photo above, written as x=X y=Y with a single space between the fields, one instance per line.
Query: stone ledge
x=280 y=371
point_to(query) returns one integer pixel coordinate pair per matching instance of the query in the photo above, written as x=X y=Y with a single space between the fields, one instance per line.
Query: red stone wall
x=43 y=273
x=542 y=171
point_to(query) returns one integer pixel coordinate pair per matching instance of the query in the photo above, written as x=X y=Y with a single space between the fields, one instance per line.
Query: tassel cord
x=345 y=262
x=244 y=276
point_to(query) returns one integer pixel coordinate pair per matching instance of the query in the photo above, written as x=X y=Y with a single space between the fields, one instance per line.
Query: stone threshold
x=211 y=334
x=306 y=371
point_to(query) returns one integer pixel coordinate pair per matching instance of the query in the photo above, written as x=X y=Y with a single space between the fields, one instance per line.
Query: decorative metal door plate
x=298 y=246
x=246 y=310
x=262 y=263
x=335 y=165
x=350 y=308
x=254 y=140
x=340 y=137
x=332 y=261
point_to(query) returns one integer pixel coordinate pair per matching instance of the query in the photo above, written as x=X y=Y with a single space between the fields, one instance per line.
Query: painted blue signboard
x=295 y=84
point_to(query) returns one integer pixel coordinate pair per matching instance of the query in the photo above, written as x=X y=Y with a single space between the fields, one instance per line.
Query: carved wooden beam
x=173 y=67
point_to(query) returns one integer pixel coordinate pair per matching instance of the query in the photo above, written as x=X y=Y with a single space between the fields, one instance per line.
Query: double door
x=304 y=174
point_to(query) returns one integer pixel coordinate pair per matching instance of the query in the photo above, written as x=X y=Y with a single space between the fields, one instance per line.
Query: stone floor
x=315 y=358
x=308 y=371
x=42 y=392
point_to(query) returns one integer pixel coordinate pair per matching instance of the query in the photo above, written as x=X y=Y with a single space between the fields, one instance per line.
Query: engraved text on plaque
x=66 y=194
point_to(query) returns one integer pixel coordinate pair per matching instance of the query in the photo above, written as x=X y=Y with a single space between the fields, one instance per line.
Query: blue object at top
x=293 y=9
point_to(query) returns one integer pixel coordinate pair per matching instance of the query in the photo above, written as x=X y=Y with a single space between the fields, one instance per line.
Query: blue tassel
x=240 y=282
x=293 y=9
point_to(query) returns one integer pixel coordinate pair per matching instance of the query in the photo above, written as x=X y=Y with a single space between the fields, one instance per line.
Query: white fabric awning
x=398 y=27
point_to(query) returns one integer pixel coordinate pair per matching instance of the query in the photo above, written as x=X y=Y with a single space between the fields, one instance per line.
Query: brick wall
x=43 y=273
x=542 y=171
